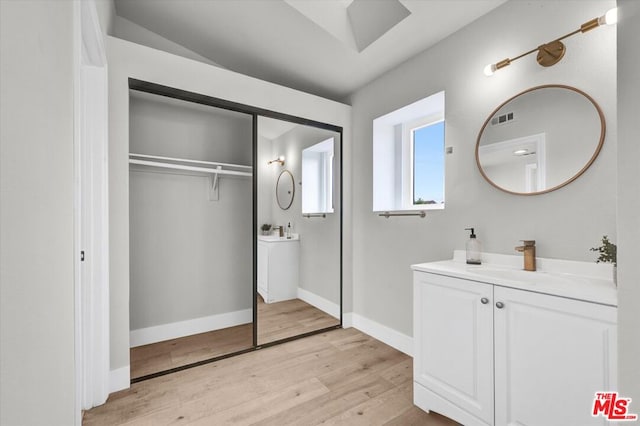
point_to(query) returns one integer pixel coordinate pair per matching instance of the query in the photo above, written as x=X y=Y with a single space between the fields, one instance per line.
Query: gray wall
x=319 y=238
x=115 y=25
x=266 y=178
x=565 y=223
x=127 y=30
x=106 y=14
x=37 y=374
x=629 y=201
x=190 y=257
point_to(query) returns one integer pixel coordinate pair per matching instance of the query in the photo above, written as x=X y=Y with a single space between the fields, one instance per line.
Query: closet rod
x=189 y=168
x=184 y=160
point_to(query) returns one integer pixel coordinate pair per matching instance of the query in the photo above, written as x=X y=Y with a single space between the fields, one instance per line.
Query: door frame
x=91 y=215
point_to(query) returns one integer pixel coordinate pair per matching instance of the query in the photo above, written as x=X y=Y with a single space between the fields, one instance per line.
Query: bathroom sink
x=573 y=279
x=526 y=277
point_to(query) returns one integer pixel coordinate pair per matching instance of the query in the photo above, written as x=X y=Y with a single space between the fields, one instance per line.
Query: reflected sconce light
x=280 y=160
x=551 y=53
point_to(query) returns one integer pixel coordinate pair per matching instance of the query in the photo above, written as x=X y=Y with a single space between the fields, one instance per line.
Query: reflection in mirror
x=540 y=140
x=285 y=189
x=190 y=242
x=298 y=277
x=317 y=178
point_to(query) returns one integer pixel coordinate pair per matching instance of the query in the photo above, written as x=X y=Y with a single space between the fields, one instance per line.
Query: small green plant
x=265 y=227
x=607 y=252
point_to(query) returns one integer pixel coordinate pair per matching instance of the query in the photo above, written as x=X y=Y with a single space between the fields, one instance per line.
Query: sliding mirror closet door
x=299 y=230
x=191 y=244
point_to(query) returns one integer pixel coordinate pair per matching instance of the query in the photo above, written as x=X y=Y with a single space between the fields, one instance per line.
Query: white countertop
x=591 y=282
x=278 y=239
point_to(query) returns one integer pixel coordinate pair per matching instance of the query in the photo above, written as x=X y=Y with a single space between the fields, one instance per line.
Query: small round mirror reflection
x=285 y=189
x=540 y=140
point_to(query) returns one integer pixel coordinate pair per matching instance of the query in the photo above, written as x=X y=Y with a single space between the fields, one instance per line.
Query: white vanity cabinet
x=453 y=348
x=551 y=355
x=487 y=354
x=278 y=260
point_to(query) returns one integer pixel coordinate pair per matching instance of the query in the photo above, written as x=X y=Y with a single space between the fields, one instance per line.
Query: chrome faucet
x=529 y=250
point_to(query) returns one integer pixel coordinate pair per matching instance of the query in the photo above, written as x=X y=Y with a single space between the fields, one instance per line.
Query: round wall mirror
x=540 y=140
x=285 y=189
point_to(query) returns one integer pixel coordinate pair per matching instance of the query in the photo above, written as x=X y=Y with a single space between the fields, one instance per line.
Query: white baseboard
x=347 y=320
x=145 y=336
x=321 y=303
x=387 y=335
x=119 y=379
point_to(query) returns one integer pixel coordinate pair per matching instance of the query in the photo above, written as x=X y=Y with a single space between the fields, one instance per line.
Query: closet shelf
x=173 y=163
x=198 y=167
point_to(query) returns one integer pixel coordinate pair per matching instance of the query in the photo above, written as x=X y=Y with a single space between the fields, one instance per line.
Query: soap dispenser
x=289 y=234
x=473 y=249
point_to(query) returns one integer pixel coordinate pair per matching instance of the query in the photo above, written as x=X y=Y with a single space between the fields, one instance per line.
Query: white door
x=453 y=335
x=551 y=356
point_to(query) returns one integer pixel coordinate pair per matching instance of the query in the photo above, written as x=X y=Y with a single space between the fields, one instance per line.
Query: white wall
x=565 y=223
x=37 y=373
x=629 y=201
x=126 y=60
x=189 y=254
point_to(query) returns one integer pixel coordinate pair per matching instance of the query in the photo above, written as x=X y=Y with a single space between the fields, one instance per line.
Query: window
x=408 y=157
x=428 y=164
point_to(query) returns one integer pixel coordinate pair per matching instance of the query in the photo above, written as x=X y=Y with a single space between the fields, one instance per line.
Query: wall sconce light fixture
x=280 y=160
x=551 y=53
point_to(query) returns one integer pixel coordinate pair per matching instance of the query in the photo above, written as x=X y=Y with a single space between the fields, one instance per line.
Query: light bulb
x=609 y=18
x=489 y=70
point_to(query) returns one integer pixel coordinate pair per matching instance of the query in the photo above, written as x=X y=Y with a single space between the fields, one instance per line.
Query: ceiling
x=329 y=48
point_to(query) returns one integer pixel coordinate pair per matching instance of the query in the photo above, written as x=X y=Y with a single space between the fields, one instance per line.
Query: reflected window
x=317 y=178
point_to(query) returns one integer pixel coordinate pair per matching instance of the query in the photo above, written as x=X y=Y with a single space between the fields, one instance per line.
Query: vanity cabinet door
x=263 y=270
x=551 y=355
x=453 y=352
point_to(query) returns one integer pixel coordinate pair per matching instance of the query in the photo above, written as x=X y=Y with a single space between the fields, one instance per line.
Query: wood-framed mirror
x=285 y=189
x=540 y=140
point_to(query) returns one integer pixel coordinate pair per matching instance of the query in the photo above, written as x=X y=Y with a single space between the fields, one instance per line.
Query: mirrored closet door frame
x=255 y=112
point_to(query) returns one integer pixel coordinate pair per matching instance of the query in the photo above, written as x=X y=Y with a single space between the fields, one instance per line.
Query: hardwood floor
x=289 y=318
x=275 y=321
x=338 y=377
x=173 y=353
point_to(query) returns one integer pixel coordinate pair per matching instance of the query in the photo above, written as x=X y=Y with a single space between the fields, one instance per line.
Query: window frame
x=392 y=173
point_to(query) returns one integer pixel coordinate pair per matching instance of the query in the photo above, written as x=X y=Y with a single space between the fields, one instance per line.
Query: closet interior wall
x=190 y=255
